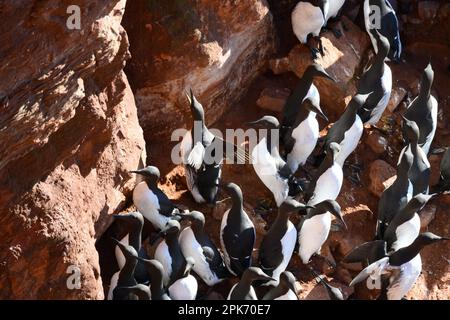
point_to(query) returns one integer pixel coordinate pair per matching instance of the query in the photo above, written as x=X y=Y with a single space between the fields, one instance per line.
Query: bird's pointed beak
x=322 y=115
x=189 y=95
x=325 y=74
x=115 y=240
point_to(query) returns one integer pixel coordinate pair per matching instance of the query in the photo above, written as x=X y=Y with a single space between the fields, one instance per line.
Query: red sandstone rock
x=273 y=99
x=69 y=134
x=342 y=59
x=216 y=47
x=382 y=175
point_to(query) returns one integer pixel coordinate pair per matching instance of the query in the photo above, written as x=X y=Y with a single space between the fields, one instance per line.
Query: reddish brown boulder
x=342 y=60
x=273 y=99
x=69 y=133
x=376 y=142
x=216 y=47
x=382 y=175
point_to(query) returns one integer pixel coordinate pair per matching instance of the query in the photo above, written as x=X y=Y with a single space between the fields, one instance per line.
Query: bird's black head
x=266 y=122
x=255 y=273
x=128 y=251
x=419 y=201
x=198 y=113
x=312 y=106
x=151 y=174
x=196 y=218
x=332 y=207
x=316 y=70
x=130 y=219
x=171 y=229
x=233 y=190
x=288 y=280
x=427 y=80
x=410 y=130
x=290 y=206
x=427 y=238
x=358 y=101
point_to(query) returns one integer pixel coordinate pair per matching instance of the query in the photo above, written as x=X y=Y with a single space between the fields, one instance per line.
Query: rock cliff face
x=69 y=134
x=216 y=47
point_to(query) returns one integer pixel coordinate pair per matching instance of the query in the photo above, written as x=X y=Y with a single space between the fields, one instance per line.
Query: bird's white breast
x=313 y=234
x=351 y=140
x=328 y=185
x=409 y=273
x=434 y=115
x=184 y=289
x=162 y=254
x=334 y=7
x=306 y=19
x=147 y=203
x=266 y=168
x=288 y=244
x=407 y=232
x=305 y=135
x=191 y=248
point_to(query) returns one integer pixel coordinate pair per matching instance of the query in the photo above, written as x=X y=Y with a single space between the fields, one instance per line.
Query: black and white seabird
x=278 y=244
x=327 y=181
x=169 y=253
x=405 y=226
x=388 y=26
x=301 y=139
x=405 y=266
x=130 y=225
x=195 y=243
x=377 y=83
x=395 y=197
x=126 y=274
x=198 y=151
x=333 y=292
x=424 y=110
x=315 y=227
x=156 y=287
x=444 y=178
x=308 y=18
x=237 y=233
x=304 y=89
x=243 y=290
x=285 y=290
x=420 y=171
x=185 y=285
x=271 y=169
x=154 y=205
x=347 y=130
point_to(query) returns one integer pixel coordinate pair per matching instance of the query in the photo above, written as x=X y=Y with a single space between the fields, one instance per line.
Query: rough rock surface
x=217 y=48
x=382 y=175
x=69 y=133
x=342 y=61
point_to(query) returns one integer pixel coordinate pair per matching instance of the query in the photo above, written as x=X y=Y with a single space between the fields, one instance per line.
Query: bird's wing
x=372 y=251
x=195 y=157
x=375 y=270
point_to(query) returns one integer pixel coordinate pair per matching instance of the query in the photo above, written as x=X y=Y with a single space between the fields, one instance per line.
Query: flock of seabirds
x=393 y=257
